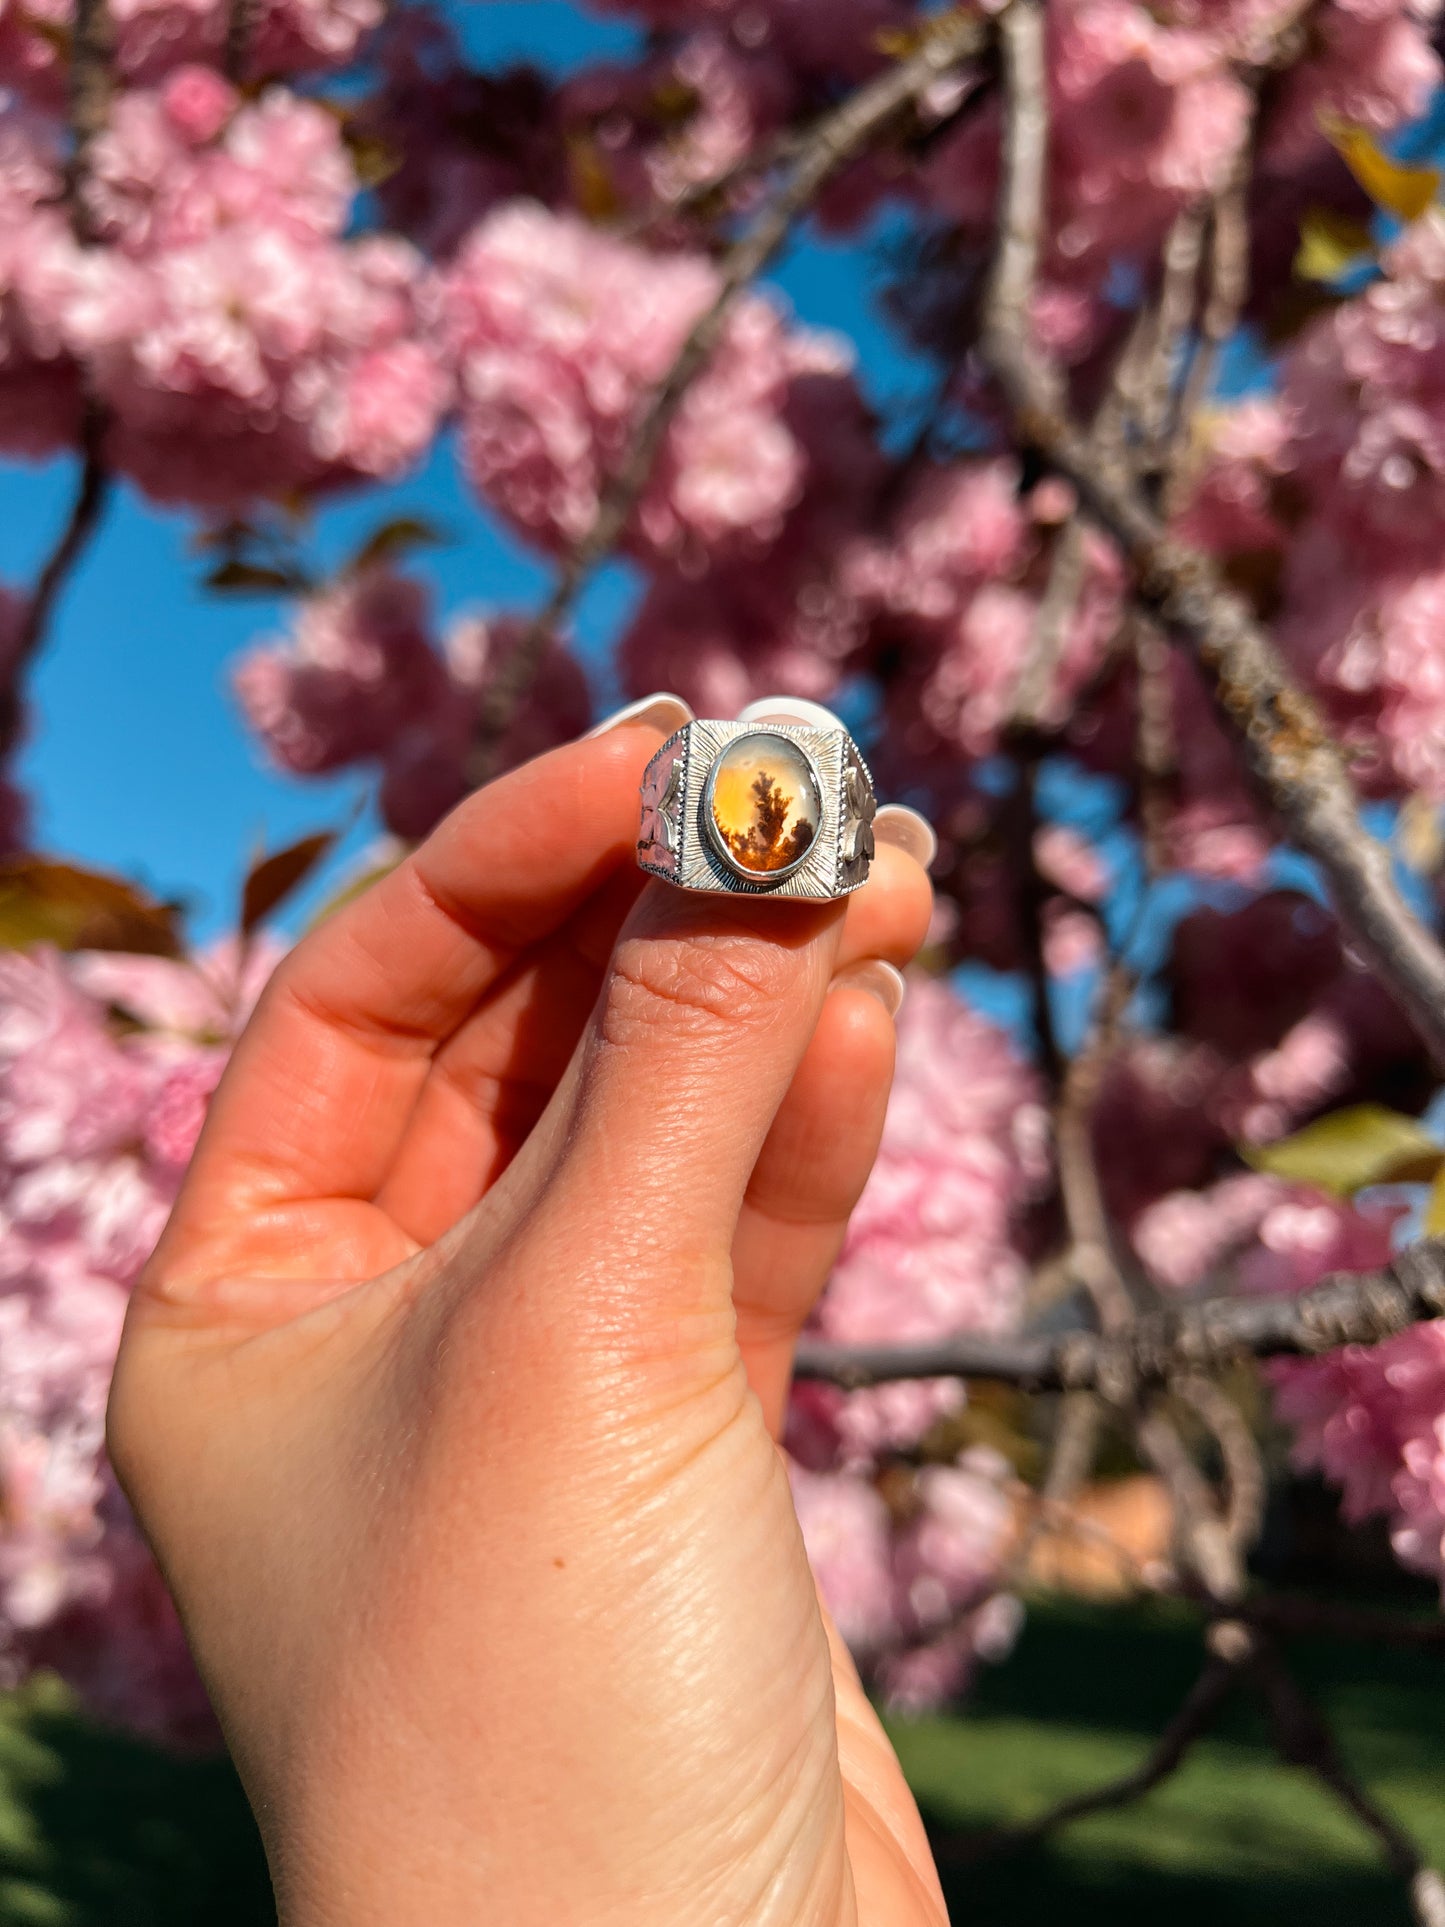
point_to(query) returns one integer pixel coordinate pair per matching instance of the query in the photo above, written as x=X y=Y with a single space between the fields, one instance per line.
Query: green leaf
x=1331 y=245
x=1403 y=191
x=1434 y=1222
x=397 y=538
x=42 y=901
x=272 y=879
x=1350 y=1149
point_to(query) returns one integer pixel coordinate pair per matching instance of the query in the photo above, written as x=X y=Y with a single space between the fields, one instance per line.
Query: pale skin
x=450 y=1399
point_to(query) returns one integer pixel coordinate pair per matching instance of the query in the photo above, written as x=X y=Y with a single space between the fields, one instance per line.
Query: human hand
x=449 y=1399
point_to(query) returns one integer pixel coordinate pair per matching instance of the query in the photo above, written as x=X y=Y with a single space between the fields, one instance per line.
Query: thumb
x=705 y=1014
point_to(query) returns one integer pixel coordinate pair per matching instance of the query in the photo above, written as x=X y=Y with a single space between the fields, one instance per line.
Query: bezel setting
x=680 y=841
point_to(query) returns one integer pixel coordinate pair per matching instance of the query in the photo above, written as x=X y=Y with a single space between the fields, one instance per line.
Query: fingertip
x=906 y=830
x=661 y=711
x=889 y=917
x=857 y=1034
x=880 y=979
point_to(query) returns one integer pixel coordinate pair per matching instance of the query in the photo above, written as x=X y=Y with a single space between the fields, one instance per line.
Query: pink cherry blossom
x=97 y=1121
x=1370 y=1419
x=930 y=1247
x=562 y=333
x=362 y=680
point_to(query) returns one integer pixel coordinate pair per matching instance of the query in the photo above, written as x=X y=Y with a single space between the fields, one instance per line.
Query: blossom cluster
x=239 y=345
x=560 y=333
x=106 y=1065
x=361 y=680
x=152 y=37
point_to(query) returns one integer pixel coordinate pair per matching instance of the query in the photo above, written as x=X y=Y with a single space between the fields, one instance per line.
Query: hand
x=449 y=1398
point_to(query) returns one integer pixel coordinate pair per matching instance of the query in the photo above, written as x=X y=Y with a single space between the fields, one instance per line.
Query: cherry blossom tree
x=1142 y=603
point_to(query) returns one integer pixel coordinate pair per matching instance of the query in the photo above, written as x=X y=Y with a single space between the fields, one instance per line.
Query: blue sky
x=136 y=758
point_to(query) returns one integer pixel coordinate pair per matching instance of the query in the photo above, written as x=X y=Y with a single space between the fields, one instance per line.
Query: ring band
x=758 y=809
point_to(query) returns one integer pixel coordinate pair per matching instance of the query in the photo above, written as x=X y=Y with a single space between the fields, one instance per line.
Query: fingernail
x=906 y=830
x=879 y=979
x=790 y=709
x=659 y=711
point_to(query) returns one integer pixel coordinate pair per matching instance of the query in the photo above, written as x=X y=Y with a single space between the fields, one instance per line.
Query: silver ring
x=758 y=809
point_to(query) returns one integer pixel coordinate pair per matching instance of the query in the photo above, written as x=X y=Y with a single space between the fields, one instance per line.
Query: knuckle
x=700 y=985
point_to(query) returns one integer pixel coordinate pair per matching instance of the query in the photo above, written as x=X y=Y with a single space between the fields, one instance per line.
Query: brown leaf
x=395 y=539
x=235 y=577
x=43 y=901
x=372 y=160
x=593 y=185
x=271 y=879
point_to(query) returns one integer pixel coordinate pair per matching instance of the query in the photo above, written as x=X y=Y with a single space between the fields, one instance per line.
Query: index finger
x=323 y=1081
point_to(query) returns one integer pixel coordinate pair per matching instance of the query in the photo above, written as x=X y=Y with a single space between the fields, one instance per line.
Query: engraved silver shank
x=758 y=809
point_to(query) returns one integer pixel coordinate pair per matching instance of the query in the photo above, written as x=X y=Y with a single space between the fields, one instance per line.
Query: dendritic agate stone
x=763 y=804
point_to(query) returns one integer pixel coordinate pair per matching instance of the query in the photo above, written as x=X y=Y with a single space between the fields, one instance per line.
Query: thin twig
x=1092 y=1261
x=1071 y=1459
x=92 y=52
x=1282 y=42
x=714 y=193
x=1203 y=1547
x=1154 y=751
x=1156 y=1346
x=1228 y=289
x=832 y=142
x=1238 y=1451
x=1172 y=322
x=1051 y=628
x=236 y=54
x=1030 y=893
x=92 y=492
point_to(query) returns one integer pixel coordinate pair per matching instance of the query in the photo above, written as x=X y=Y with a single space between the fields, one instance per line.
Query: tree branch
x=1020 y=825
x=92 y=492
x=833 y=141
x=1304 y=1739
x=1285 y=744
x=1197 y=1713
x=92 y=52
x=1155 y=1347
x=240 y=20
x=1239 y=1453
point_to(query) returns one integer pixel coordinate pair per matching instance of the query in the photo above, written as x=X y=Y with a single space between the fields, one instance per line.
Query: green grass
x=1233 y=1837
x=98 y=1831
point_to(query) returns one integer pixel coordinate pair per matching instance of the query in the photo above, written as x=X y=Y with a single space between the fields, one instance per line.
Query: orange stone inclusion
x=765 y=803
